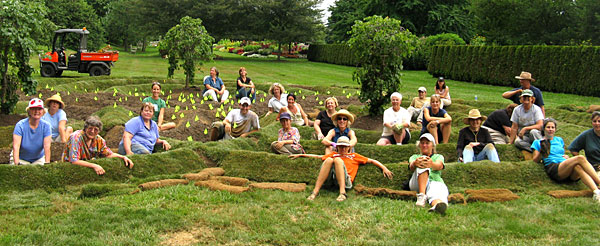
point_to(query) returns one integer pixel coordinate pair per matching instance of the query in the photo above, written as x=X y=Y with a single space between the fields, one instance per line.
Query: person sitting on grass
x=141 y=134
x=323 y=123
x=159 y=108
x=340 y=168
x=279 y=99
x=527 y=120
x=245 y=87
x=559 y=167
x=56 y=116
x=525 y=79
x=442 y=90
x=342 y=121
x=436 y=121
x=86 y=144
x=474 y=142
x=589 y=141
x=32 y=137
x=238 y=123
x=416 y=105
x=498 y=124
x=426 y=179
x=396 y=121
x=214 y=86
x=299 y=117
x=288 y=140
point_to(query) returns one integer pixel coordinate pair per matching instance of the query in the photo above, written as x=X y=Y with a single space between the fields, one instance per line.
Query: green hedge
x=339 y=54
x=565 y=69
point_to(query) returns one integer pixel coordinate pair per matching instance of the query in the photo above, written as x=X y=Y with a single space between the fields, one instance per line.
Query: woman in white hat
x=32 y=137
x=474 y=142
x=396 y=121
x=56 y=116
x=426 y=179
x=342 y=121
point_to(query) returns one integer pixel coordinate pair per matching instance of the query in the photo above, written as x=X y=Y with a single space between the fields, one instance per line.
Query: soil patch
x=570 y=193
x=291 y=187
x=231 y=180
x=190 y=237
x=385 y=192
x=490 y=195
x=162 y=183
x=113 y=137
x=11 y=119
x=216 y=185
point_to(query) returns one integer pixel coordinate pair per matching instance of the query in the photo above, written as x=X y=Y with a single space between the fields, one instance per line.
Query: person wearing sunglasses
x=342 y=121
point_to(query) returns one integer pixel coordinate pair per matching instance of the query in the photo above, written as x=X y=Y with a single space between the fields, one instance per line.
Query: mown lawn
x=198 y=216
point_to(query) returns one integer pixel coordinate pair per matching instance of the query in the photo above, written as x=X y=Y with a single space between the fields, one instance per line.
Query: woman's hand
x=166 y=145
x=320 y=136
x=293 y=157
x=279 y=144
x=128 y=162
x=98 y=169
x=473 y=144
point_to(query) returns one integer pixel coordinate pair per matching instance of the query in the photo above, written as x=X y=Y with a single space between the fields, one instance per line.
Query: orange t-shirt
x=351 y=161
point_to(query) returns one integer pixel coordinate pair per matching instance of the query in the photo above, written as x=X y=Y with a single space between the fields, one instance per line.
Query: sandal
x=342 y=197
x=312 y=196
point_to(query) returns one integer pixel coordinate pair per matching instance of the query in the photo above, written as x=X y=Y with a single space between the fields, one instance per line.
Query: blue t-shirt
x=440 y=114
x=32 y=141
x=142 y=135
x=537 y=93
x=54 y=120
x=557 y=150
x=217 y=83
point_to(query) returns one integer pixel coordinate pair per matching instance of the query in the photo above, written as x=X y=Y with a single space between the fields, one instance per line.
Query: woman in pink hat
x=32 y=137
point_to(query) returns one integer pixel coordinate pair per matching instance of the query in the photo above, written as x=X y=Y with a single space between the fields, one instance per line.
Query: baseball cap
x=422 y=89
x=35 y=103
x=285 y=115
x=527 y=92
x=429 y=137
x=245 y=100
x=343 y=141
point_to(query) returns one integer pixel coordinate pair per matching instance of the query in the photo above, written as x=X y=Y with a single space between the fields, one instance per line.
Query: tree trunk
x=290 y=48
x=279 y=51
x=4 y=75
x=125 y=45
x=144 y=41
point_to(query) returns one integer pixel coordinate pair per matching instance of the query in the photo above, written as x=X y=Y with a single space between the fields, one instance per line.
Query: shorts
x=393 y=140
x=552 y=171
x=331 y=180
x=57 y=139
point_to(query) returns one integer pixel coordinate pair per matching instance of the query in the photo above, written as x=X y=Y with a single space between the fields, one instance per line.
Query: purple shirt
x=142 y=135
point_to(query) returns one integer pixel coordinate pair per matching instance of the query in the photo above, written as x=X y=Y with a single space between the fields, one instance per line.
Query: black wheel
x=97 y=71
x=58 y=73
x=48 y=70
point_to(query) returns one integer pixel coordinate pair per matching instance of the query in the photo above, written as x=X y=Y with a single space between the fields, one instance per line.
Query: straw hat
x=526 y=76
x=342 y=112
x=474 y=114
x=57 y=99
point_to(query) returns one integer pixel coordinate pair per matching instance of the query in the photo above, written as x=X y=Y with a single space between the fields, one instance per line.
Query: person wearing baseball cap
x=340 y=168
x=527 y=120
x=525 y=79
x=32 y=137
x=288 y=140
x=239 y=122
x=56 y=116
x=426 y=178
x=417 y=103
x=396 y=121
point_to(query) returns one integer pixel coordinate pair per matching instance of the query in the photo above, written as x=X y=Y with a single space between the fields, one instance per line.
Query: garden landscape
x=64 y=204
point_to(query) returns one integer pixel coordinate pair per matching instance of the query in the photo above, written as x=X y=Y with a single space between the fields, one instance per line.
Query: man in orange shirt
x=341 y=168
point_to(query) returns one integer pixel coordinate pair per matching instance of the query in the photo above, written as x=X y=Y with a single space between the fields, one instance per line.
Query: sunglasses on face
x=343 y=119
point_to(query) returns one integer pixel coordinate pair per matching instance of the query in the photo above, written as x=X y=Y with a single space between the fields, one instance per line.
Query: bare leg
x=436 y=201
x=167 y=126
x=323 y=174
x=422 y=180
x=383 y=141
x=446 y=132
x=339 y=174
x=433 y=131
x=578 y=167
x=399 y=137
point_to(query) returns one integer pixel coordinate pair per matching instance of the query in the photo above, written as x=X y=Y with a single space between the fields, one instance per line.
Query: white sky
x=325 y=6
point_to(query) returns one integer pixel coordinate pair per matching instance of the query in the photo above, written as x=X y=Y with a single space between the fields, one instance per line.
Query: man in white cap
x=527 y=120
x=525 y=79
x=32 y=137
x=340 y=168
x=238 y=123
x=417 y=103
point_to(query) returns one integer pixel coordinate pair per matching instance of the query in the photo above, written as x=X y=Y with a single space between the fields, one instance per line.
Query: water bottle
x=476 y=98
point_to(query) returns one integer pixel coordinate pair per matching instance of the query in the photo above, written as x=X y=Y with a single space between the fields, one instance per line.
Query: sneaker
x=596 y=198
x=421 y=200
x=439 y=208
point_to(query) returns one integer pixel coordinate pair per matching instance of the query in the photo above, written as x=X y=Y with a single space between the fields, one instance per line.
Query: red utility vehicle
x=54 y=62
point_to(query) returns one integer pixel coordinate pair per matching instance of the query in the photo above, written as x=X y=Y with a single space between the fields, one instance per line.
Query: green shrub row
x=340 y=54
x=565 y=69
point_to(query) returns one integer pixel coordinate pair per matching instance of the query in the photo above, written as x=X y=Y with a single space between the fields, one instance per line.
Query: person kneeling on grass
x=238 y=123
x=86 y=144
x=551 y=152
x=341 y=168
x=427 y=176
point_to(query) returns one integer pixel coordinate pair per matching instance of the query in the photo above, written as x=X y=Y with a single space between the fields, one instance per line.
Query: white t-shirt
x=278 y=104
x=525 y=118
x=235 y=117
x=392 y=117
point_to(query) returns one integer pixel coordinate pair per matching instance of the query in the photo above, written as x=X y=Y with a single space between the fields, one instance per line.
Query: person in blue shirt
x=56 y=116
x=525 y=79
x=558 y=166
x=141 y=134
x=214 y=87
x=32 y=137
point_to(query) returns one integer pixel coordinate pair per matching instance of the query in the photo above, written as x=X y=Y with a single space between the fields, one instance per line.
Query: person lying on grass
x=426 y=179
x=340 y=169
x=86 y=144
x=560 y=168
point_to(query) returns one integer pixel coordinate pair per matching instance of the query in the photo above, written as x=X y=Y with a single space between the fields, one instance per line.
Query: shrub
x=251 y=48
x=340 y=54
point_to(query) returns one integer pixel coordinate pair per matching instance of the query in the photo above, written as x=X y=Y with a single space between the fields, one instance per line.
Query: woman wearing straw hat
x=525 y=79
x=279 y=99
x=56 y=116
x=32 y=137
x=342 y=121
x=474 y=142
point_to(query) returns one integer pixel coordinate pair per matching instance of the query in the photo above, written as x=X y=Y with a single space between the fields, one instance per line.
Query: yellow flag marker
x=130 y=93
x=77 y=99
x=130 y=113
x=120 y=100
x=186 y=107
x=320 y=102
x=187 y=125
x=52 y=88
x=300 y=92
x=189 y=138
x=221 y=106
x=205 y=131
x=357 y=92
x=196 y=118
x=143 y=94
x=205 y=99
x=173 y=117
x=229 y=109
x=115 y=105
x=47 y=86
x=265 y=94
x=303 y=97
x=177 y=108
x=68 y=93
x=135 y=89
x=136 y=94
x=223 y=113
x=191 y=95
x=197 y=95
x=210 y=106
x=192 y=101
x=344 y=92
x=126 y=99
x=40 y=95
x=141 y=99
x=194 y=107
x=170 y=92
x=234 y=125
x=328 y=92
x=217 y=115
x=201 y=101
x=85 y=89
x=114 y=94
x=316 y=98
x=181 y=115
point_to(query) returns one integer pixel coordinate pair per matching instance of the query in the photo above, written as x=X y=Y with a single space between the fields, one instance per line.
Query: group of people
x=524 y=125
